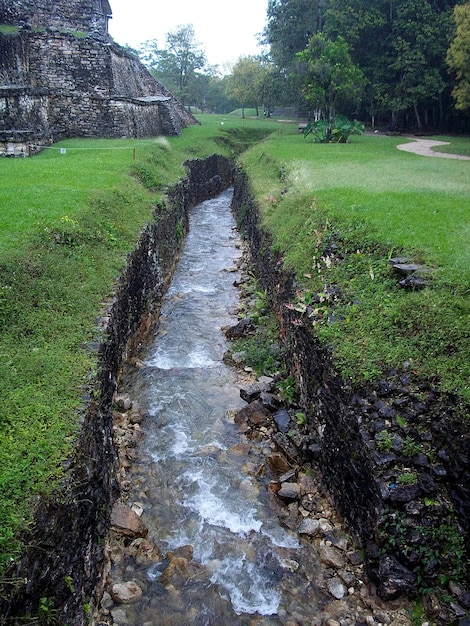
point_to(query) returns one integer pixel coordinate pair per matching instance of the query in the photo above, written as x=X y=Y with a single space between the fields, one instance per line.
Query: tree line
x=395 y=63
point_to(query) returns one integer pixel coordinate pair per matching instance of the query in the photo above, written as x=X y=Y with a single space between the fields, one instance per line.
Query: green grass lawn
x=69 y=220
x=458 y=145
x=370 y=202
x=70 y=215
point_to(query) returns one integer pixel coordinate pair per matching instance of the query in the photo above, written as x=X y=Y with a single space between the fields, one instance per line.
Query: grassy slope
x=372 y=202
x=68 y=222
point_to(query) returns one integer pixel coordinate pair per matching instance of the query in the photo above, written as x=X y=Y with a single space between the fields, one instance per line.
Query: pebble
x=336 y=588
x=310 y=527
x=332 y=557
x=119 y=617
x=126 y=593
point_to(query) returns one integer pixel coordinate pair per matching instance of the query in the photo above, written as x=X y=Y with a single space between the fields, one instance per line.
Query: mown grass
x=458 y=145
x=339 y=213
x=68 y=222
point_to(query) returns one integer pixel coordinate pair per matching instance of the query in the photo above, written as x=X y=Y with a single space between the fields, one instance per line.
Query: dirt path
x=424 y=148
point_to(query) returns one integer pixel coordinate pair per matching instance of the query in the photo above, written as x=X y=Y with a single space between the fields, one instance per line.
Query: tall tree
x=330 y=78
x=290 y=24
x=245 y=84
x=401 y=47
x=207 y=91
x=418 y=54
x=365 y=26
x=272 y=87
x=175 y=65
x=458 y=56
x=187 y=54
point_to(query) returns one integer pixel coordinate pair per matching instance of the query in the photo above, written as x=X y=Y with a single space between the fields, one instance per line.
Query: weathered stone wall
x=80 y=15
x=61 y=75
x=64 y=554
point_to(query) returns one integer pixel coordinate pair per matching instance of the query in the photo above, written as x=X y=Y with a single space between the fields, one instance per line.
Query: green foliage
x=344 y=128
x=401 y=421
x=179 y=231
x=47 y=615
x=176 y=65
x=408 y=478
x=329 y=76
x=338 y=216
x=384 y=441
x=441 y=548
x=411 y=447
x=446 y=545
x=260 y=350
x=288 y=389
x=320 y=130
x=289 y=26
x=416 y=55
x=458 y=55
x=245 y=83
x=261 y=347
x=338 y=131
x=8 y=29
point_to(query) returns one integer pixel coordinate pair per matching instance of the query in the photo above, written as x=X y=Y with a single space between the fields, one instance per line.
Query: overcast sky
x=225 y=30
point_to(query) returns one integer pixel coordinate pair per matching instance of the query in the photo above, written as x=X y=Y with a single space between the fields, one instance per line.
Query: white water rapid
x=194 y=473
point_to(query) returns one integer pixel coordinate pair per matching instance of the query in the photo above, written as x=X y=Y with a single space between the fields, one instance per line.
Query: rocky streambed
x=316 y=569
x=335 y=574
x=332 y=589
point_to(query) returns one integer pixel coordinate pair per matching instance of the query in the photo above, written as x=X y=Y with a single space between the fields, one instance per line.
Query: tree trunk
x=418 y=118
x=441 y=111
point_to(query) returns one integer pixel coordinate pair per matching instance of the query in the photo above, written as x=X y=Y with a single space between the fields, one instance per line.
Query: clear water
x=195 y=474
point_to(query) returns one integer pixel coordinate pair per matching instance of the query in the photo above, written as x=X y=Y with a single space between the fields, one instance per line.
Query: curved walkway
x=424 y=147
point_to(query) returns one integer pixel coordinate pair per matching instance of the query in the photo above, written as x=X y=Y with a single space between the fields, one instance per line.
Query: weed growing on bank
x=259 y=349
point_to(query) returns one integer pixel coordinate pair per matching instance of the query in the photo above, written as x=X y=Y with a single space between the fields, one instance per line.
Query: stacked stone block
x=61 y=75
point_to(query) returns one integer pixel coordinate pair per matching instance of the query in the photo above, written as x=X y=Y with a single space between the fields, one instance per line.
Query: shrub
x=337 y=132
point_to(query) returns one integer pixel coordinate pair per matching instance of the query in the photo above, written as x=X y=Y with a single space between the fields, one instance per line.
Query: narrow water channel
x=195 y=474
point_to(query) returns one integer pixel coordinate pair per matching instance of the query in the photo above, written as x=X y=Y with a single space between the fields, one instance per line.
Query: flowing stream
x=195 y=474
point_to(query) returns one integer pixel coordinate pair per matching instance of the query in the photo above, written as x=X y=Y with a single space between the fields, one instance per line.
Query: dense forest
x=393 y=63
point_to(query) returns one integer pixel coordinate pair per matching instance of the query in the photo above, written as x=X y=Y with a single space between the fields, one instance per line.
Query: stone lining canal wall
x=349 y=475
x=394 y=454
x=62 y=563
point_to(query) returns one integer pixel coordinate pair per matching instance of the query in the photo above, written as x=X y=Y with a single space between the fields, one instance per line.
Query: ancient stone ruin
x=62 y=75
